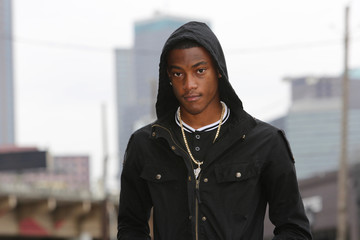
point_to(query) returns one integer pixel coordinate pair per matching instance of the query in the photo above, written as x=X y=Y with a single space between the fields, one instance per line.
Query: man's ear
x=219 y=74
x=169 y=77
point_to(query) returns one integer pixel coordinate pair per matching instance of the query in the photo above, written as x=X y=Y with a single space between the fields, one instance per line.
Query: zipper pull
x=197 y=191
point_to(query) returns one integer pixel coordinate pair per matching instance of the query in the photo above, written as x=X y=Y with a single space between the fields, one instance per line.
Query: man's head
x=193 y=35
x=194 y=77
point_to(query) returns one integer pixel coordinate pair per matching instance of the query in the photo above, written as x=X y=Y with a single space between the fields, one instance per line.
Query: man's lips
x=191 y=98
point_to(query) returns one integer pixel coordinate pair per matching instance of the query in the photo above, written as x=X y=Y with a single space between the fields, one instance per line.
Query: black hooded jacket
x=249 y=166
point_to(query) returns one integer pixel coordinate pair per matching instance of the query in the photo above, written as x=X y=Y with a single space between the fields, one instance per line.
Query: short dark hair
x=185 y=44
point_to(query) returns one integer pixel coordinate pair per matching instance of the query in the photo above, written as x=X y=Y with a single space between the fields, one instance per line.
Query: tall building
x=137 y=75
x=7 y=128
x=313 y=123
x=125 y=95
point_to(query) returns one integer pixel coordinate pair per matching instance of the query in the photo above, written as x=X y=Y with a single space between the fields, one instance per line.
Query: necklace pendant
x=197 y=172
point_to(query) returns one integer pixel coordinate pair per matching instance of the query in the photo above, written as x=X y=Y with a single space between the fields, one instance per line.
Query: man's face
x=194 y=79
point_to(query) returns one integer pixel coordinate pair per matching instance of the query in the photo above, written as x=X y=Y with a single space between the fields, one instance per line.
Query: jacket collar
x=240 y=124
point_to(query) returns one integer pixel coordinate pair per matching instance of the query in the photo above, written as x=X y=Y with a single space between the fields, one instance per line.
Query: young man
x=206 y=167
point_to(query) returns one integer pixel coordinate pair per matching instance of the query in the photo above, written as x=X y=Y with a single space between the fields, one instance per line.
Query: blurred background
x=77 y=77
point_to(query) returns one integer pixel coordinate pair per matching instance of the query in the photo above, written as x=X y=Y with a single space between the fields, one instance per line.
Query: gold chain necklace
x=199 y=163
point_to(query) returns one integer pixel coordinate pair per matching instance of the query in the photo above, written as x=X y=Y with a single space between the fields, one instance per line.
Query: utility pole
x=343 y=168
x=105 y=213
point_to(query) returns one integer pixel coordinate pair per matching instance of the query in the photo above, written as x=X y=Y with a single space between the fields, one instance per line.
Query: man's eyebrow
x=193 y=66
x=199 y=63
x=174 y=66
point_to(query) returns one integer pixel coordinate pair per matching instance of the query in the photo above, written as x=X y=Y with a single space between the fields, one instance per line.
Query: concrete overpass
x=51 y=214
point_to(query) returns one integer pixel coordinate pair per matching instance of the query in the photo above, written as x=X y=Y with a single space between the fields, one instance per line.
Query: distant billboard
x=16 y=161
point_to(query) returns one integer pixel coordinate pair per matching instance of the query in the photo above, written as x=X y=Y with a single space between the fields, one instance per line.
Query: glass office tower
x=7 y=128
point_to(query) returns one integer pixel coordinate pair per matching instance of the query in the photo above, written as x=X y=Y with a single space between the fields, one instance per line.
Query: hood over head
x=202 y=34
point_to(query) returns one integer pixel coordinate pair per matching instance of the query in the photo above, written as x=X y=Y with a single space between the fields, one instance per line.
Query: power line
x=249 y=50
x=285 y=47
x=52 y=44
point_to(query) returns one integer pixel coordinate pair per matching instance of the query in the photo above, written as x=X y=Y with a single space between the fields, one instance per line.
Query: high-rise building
x=137 y=72
x=125 y=95
x=313 y=123
x=7 y=128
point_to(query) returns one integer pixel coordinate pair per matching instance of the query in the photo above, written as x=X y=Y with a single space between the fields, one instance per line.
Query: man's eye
x=177 y=74
x=201 y=70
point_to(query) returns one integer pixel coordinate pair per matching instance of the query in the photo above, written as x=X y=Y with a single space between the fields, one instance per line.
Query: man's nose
x=190 y=82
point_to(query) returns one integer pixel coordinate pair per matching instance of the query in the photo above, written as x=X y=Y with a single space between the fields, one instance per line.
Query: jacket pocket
x=157 y=174
x=235 y=172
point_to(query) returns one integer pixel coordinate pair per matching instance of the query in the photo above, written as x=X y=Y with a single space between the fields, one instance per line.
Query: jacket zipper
x=197 y=210
x=197 y=185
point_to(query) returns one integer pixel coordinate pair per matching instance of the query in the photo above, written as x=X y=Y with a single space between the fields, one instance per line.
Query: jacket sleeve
x=135 y=202
x=286 y=210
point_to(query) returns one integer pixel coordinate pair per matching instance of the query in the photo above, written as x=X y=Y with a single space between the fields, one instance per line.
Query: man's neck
x=208 y=116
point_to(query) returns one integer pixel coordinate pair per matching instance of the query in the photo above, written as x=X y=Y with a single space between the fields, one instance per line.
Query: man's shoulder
x=278 y=135
x=146 y=131
x=263 y=129
x=142 y=132
x=266 y=126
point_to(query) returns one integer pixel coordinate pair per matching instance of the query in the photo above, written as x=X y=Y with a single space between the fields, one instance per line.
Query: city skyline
x=64 y=60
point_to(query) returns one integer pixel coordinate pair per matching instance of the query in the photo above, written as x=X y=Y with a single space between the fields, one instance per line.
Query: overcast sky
x=64 y=59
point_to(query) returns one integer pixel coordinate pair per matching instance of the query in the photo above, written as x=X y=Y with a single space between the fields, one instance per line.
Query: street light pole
x=343 y=168
x=105 y=213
